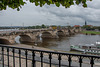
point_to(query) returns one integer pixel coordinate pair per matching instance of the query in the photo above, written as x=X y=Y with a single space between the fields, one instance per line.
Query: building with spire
x=85 y=23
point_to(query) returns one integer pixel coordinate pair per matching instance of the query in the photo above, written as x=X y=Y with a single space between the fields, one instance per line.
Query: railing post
x=33 y=59
x=80 y=61
x=26 y=57
x=41 y=55
x=50 y=57
x=92 y=62
x=59 y=58
x=8 y=56
x=69 y=59
x=19 y=58
x=13 y=57
x=2 y=56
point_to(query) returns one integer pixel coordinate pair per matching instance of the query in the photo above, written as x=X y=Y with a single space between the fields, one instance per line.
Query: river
x=63 y=43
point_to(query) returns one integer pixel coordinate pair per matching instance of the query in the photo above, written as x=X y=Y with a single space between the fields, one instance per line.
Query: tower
x=85 y=23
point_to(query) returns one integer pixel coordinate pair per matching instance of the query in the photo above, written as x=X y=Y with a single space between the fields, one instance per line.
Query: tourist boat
x=86 y=47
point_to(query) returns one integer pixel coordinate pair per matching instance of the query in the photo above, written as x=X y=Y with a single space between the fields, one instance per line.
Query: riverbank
x=41 y=48
x=91 y=32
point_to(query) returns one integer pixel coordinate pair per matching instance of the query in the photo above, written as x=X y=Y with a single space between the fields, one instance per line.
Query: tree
x=38 y=27
x=17 y=4
x=43 y=26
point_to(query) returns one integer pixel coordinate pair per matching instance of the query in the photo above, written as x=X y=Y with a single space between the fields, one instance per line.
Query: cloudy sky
x=51 y=15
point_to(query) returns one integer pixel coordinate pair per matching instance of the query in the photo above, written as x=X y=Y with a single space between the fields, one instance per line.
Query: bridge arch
x=60 y=33
x=25 y=38
x=4 y=41
x=46 y=35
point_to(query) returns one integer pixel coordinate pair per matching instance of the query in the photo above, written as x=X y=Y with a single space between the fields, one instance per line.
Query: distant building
x=50 y=27
x=90 y=25
x=76 y=25
x=53 y=27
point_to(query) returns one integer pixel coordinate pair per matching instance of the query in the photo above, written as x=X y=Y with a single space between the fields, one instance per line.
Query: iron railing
x=26 y=57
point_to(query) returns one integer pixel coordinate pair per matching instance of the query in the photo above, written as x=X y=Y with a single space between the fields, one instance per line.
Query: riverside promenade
x=45 y=59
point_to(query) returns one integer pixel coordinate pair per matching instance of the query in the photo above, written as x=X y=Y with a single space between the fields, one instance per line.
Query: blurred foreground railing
x=25 y=57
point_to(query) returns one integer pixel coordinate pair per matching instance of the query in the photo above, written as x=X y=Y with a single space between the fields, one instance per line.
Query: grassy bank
x=91 y=32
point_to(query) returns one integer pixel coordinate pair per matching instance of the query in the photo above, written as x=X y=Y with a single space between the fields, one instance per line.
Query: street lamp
x=23 y=26
x=11 y=27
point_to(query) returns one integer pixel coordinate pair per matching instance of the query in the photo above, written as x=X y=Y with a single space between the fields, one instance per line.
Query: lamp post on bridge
x=23 y=26
x=68 y=25
x=11 y=27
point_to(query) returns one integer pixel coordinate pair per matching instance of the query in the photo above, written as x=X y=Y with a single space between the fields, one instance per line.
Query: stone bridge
x=32 y=35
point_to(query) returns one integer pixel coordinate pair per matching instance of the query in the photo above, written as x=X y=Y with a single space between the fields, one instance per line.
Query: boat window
x=85 y=47
x=89 y=47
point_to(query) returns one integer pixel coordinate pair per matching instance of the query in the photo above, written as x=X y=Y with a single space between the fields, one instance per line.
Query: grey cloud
x=95 y=4
x=50 y=15
x=88 y=14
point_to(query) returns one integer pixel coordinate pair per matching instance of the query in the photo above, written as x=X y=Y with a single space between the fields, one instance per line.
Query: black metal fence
x=25 y=57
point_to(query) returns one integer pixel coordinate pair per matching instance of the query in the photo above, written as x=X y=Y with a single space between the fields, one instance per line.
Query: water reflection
x=64 y=43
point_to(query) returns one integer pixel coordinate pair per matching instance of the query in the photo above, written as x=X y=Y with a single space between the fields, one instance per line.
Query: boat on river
x=93 y=48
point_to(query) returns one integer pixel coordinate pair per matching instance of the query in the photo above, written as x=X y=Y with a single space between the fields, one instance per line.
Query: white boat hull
x=75 y=49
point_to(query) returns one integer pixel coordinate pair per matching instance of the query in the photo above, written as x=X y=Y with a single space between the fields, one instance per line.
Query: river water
x=63 y=43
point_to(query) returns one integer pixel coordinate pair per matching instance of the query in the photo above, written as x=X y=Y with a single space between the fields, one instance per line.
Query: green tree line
x=37 y=27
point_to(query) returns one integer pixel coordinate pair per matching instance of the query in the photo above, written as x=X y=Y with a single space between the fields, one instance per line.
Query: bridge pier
x=55 y=36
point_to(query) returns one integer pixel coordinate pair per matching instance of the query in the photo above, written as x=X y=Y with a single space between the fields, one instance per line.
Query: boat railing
x=93 y=51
